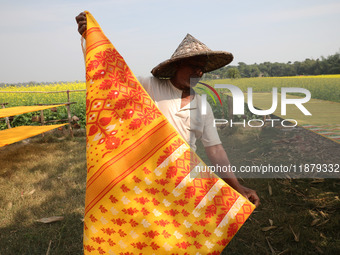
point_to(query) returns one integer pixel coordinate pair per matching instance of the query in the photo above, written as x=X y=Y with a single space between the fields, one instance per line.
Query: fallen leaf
x=49 y=248
x=314 y=222
x=323 y=236
x=9 y=205
x=270 y=190
x=268 y=228
x=325 y=215
x=296 y=236
x=31 y=192
x=252 y=150
x=322 y=223
x=271 y=222
x=318 y=180
x=50 y=219
x=270 y=247
x=313 y=214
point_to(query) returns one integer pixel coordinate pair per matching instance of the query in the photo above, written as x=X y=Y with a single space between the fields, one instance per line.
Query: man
x=171 y=89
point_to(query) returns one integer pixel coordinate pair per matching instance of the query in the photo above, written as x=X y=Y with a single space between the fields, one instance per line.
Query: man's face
x=190 y=69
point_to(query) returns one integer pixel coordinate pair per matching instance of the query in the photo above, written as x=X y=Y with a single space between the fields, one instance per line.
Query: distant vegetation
x=329 y=65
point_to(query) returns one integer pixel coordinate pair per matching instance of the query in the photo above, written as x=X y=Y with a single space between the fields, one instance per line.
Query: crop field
x=23 y=99
x=324 y=87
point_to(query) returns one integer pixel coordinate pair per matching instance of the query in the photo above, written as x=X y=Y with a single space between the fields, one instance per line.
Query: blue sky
x=39 y=39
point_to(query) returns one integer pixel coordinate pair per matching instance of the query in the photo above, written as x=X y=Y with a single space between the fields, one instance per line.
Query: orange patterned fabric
x=12 y=111
x=143 y=195
x=13 y=135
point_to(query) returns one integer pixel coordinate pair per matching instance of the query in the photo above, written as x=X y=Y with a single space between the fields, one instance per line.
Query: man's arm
x=218 y=156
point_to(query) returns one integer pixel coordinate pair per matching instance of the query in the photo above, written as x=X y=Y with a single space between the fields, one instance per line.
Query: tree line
x=328 y=65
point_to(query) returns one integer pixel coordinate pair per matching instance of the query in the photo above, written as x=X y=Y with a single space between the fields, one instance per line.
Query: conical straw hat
x=191 y=47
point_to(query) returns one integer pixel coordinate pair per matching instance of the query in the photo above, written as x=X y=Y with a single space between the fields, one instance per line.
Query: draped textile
x=12 y=111
x=17 y=134
x=143 y=195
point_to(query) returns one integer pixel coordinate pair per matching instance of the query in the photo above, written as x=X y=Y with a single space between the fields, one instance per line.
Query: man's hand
x=82 y=23
x=250 y=195
x=218 y=156
x=244 y=191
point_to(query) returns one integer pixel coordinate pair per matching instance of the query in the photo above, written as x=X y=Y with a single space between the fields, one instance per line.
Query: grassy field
x=325 y=87
x=46 y=177
x=323 y=112
x=42 y=178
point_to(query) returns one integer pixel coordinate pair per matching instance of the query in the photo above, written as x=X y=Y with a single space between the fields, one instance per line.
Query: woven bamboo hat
x=190 y=47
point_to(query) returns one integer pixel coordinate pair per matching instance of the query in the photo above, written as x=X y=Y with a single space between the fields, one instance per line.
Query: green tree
x=233 y=73
x=323 y=65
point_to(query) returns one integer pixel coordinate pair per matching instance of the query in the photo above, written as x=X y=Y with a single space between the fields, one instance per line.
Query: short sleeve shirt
x=188 y=121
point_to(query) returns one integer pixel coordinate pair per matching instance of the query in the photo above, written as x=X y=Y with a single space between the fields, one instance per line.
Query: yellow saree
x=13 y=135
x=17 y=134
x=143 y=195
x=12 y=111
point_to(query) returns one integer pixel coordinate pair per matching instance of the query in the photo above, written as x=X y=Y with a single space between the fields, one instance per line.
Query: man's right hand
x=81 y=21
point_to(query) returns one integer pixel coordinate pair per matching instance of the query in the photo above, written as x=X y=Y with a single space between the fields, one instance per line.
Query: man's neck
x=185 y=90
x=188 y=94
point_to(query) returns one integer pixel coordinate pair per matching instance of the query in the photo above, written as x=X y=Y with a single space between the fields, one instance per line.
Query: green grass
x=321 y=87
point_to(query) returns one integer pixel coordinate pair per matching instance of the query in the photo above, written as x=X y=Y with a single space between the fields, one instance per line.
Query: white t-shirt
x=188 y=121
